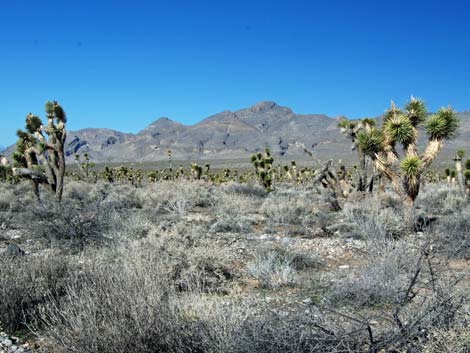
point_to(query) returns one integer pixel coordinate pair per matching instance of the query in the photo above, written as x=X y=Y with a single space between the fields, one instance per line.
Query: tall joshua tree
x=351 y=129
x=401 y=127
x=40 y=157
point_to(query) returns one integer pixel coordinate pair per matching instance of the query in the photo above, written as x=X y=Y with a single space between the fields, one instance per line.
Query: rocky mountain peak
x=262 y=106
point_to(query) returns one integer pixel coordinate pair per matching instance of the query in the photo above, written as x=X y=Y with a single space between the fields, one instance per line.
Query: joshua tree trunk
x=409 y=212
x=60 y=175
x=362 y=173
x=458 y=168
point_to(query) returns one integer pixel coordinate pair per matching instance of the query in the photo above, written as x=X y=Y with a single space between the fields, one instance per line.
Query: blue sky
x=122 y=64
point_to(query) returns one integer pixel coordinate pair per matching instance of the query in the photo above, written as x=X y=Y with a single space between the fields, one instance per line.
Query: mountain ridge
x=226 y=135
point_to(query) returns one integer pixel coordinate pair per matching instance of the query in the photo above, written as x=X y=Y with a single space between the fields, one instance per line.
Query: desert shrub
x=130 y=305
x=453 y=234
x=179 y=196
x=229 y=222
x=241 y=204
x=381 y=281
x=440 y=199
x=73 y=222
x=301 y=331
x=321 y=219
x=196 y=264
x=244 y=189
x=136 y=224
x=389 y=199
x=284 y=209
x=448 y=341
x=373 y=221
x=122 y=196
x=79 y=191
x=25 y=283
x=274 y=268
x=6 y=196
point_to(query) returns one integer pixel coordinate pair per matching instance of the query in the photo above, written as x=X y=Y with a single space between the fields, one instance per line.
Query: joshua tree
x=402 y=127
x=41 y=159
x=85 y=167
x=351 y=130
x=196 y=171
x=263 y=168
x=458 y=167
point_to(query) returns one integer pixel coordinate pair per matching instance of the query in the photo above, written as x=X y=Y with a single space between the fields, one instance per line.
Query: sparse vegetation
x=275 y=259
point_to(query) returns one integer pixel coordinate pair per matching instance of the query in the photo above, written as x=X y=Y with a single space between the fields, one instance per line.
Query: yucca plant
x=85 y=168
x=401 y=127
x=39 y=158
x=196 y=171
x=263 y=168
x=351 y=129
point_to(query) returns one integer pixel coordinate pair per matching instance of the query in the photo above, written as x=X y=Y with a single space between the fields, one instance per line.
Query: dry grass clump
x=381 y=281
x=372 y=221
x=284 y=210
x=128 y=303
x=25 y=283
x=278 y=267
x=74 y=223
x=178 y=197
x=244 y=189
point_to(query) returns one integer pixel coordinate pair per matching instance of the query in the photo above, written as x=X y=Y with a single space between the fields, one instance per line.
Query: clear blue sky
x=122 y=64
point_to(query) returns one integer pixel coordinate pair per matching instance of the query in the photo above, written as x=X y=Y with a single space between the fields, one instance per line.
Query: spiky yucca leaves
x=416 y=111
x=371 y=142
x=41 y=159
x=401 y=127
x=411 y=168
x=358 y=132
x=442 y=125
x=263 y=168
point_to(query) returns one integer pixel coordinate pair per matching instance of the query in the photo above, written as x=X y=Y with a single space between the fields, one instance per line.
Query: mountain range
x=229 y=135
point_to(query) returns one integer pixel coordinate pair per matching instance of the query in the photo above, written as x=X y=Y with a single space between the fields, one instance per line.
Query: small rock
x=13 y=250
x=307 y=301
x=7 y=343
